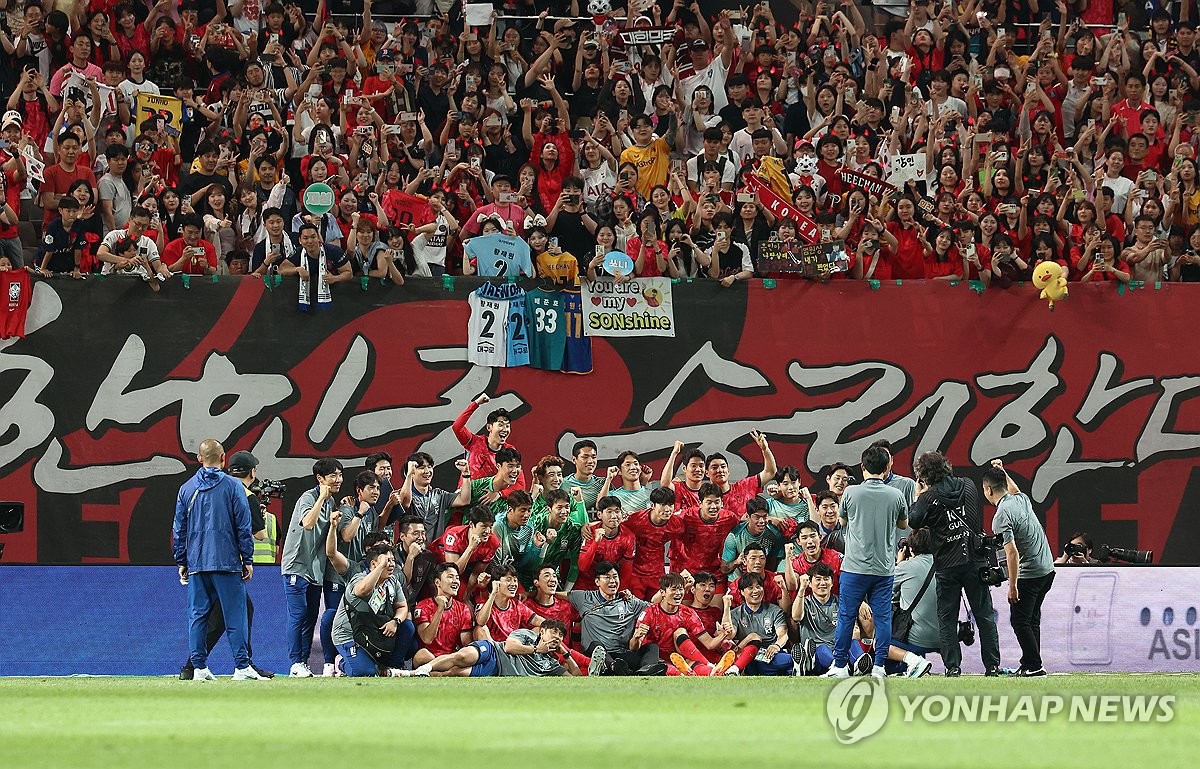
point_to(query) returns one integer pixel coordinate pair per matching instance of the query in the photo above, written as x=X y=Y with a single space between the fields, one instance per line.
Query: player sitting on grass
x=502 y=614
x=524 y=653
x=761 y=631
x=444 y=623
x=673 y=626
x=704 y=591
x=470 y=546
x=816 y=617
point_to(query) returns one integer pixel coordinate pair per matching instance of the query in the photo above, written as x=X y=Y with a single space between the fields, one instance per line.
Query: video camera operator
x=1029 y=561
x=951 y=508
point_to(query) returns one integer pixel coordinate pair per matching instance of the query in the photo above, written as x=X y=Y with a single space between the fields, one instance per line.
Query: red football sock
x=746 y=656
x=690 y=653
x=581 y=659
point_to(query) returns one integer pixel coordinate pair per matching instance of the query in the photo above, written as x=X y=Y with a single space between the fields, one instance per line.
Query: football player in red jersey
x=471 y=546
x=546 y=602
x=693 y=475
x=737 y=494
x=444 y=623
x=705 y=528
x=607 y=541
x=501 y=614
x=653 y=529
x=704 y=591
x=755 y=559
x=676 y=629
x=808 y=537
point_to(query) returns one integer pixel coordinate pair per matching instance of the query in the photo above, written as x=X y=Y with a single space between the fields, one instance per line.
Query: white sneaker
x=918 y=669
x=247 y=674
x=836 y=672
x=416 y=673
x=301 y=670
x=203 y=674
x=329 y=670
x=878 y=672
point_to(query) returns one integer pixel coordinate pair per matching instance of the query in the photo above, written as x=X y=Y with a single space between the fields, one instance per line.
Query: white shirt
x=1121 y=188
x=713 y=76
x=145 y=247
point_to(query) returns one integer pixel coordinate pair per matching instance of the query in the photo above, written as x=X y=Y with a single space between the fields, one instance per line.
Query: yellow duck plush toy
x=1049 y=277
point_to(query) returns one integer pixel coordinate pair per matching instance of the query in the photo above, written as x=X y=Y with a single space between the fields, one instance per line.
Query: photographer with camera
x=915 y=627
x=242 y=466
x=1029 y=561
x=1078 y=550
x=950 y=507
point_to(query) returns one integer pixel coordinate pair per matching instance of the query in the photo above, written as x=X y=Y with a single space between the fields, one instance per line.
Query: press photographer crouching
x=951 y=509
x=1080 y=550
x=915 y=630
x=1028 y=560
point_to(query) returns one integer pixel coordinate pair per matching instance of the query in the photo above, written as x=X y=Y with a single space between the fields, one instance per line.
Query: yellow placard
x=152 y=107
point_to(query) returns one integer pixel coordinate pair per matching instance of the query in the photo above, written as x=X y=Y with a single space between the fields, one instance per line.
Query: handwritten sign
x=812 y=260
x=868 y=183
x=907 y=168
x=637 y=307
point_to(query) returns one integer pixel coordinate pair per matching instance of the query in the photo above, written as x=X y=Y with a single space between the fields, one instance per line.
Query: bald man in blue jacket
x=214 y=549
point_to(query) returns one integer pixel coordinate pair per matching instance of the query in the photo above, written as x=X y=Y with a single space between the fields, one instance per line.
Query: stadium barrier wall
x=132 y=620
x=1093 y=406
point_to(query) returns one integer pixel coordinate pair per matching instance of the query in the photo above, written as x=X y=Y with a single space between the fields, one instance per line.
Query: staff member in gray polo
x=607 y=620
x=1029 y=560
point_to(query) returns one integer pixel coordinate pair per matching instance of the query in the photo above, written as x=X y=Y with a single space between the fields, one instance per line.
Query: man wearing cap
x=707 y=70
x=241 y=466
x=214 y=549
x=511 y=214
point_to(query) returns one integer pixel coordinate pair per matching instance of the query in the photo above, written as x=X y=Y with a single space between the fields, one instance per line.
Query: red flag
x=781 y=209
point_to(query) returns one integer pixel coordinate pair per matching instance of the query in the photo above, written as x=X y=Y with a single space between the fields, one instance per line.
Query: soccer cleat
x=1023 y=673
x=919 y=669
x=733 y=670
x=187 y=672
x=203 y=674
x=836 y=672
x=992 y=672
x=726 y=662
x=861 y=666
x=878 y=672
x=261 y=672
x=656 y=668
x=248 y=673
x=596 y=665
x=953 y=672
x=328 y=670
x=300 y=670
x=681 y=664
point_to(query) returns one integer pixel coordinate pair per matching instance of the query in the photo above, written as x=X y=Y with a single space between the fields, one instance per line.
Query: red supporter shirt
x=503 y=622
x=619 y=550
x=908 y=259
x=829 y=556
x=454 y=541
x=58 y=180
x=174 y=251
x=699 y=547
x=456 y=619
x=651 y=539
x=481 y=460
x=664 y=625
x=772 y=593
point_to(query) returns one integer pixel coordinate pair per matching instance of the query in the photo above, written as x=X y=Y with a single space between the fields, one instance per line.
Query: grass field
x=611 y=723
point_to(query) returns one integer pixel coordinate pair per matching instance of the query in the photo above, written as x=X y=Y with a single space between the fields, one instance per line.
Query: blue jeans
x=357 y=663
x=877 y=591
x=303 y=603
x=780 y=665
x=332 y=593
x=205 y=590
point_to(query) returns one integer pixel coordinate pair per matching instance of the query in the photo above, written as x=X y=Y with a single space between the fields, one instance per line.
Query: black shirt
x=573 y=236
x=953 y=512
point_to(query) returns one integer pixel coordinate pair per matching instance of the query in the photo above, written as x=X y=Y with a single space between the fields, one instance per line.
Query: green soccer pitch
x=611 y=723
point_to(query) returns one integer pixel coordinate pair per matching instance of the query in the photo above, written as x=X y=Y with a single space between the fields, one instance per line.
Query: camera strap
x=963 y=602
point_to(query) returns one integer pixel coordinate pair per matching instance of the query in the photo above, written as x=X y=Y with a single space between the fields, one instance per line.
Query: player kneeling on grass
x=816 y=617
x=524 y=653
x=761 y=631
x=673 y=626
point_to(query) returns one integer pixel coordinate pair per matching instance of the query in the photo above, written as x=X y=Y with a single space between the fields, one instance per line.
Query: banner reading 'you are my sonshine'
x=637 y=307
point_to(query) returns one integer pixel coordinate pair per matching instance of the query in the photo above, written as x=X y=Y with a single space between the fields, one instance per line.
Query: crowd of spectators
x=557 y=123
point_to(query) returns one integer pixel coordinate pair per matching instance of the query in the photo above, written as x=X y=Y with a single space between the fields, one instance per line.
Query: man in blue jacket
x=214 y=549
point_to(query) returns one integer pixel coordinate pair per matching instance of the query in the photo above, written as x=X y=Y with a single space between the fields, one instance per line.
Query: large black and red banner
x=1095 y=407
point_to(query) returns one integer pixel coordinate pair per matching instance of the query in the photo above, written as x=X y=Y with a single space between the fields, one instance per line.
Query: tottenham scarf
x=316 y=283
